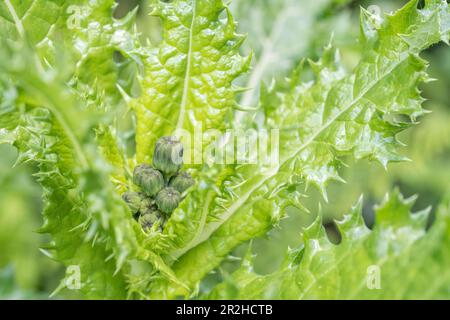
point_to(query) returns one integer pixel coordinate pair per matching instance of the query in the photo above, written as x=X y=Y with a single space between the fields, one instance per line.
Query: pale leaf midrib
x=187 y=74
x=14 y=15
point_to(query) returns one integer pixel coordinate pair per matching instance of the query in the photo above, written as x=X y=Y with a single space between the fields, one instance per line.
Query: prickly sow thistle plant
x=136 y=226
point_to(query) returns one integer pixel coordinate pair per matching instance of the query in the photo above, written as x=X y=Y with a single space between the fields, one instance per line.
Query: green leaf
x=90 y=225
x=188 y=78
x=114 y=154
x=395 y=260
x=49 y=118
x=209 y=254
x=352 y=114
x=18 y=17
x=84 y=216
x=357 y=114
x=85 y=33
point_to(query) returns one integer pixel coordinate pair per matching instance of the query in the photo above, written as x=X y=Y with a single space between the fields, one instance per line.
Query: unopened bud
x=148 y=219
x=133 y=200
x=147 y=204
x=182 y=181
x=168 y=156
x=168 y=199
x=151 y=181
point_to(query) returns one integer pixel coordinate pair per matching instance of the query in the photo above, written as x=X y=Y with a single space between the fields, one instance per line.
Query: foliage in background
x=55 y=95
x=322 y=270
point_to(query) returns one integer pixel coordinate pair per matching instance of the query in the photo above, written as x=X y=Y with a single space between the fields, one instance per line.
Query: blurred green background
x=281 y=33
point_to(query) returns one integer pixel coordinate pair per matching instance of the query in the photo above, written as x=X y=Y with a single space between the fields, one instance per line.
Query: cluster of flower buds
x=161 y=186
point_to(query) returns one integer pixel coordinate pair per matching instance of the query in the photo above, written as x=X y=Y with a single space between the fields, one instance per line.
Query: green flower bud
x=133 y=200
x=147 y=220
x=150 y=217
x=147 y=204
x=162 y=220
x=168 y=199
x=181 y=182
x=151 y=181
x=168 y=156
